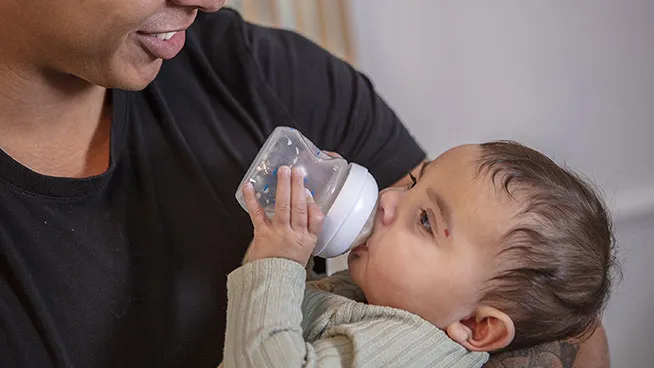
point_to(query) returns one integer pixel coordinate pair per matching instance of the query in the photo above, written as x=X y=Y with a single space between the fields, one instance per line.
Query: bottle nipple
x=367 y=229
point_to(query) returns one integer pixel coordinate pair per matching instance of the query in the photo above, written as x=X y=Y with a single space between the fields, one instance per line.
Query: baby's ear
x=487 y=329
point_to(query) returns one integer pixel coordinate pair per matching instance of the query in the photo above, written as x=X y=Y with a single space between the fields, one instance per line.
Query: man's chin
x=134 y=76
x=141 y=80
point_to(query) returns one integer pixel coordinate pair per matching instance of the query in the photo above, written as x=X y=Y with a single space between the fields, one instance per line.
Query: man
x=118 y=173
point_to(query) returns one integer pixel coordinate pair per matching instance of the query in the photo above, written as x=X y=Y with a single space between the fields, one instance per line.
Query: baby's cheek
x=463 y=298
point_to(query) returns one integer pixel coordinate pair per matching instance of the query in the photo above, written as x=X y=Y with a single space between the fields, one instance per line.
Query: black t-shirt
x=128 y=268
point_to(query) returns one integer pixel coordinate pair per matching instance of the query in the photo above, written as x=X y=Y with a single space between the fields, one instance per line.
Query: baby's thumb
x=316 y=217
x=332 y=154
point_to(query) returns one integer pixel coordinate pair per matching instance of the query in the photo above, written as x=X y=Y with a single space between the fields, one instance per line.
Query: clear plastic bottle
x=345 y=192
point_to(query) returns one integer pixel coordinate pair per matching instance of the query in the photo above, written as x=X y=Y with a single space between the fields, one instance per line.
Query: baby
x=493 y=247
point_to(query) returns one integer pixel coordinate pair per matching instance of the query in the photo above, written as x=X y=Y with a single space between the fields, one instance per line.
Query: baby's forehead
x=478 y=206
x=460 y=152
x=459 y=158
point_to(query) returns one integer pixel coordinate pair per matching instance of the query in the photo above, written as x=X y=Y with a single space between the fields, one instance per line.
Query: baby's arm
x=264 y=315
x=266 y=301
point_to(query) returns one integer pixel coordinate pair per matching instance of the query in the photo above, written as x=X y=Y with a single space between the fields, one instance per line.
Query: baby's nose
x=388 y=201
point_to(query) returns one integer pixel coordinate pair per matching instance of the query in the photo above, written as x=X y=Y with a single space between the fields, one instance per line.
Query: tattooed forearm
x=552 y=355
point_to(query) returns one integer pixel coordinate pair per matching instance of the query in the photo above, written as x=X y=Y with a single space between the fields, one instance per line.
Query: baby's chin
x=356 y=264
x=358 y=251
x=356 y=257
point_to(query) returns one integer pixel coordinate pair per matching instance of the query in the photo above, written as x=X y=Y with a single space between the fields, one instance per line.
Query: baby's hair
x=555 y=266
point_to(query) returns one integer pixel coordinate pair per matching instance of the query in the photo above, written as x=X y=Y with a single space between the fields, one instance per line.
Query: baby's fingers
x=332 y=154
x=282 y=215
x=298 y=200
x=257 y=214
x=316 y=217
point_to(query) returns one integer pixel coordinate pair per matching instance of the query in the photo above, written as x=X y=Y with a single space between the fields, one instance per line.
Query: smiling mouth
x=163 y=45
x=164 y=36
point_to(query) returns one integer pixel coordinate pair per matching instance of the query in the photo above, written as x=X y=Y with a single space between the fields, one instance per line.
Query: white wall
x=572 y=79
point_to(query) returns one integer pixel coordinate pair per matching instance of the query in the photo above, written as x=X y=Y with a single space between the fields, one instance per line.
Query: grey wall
x=628 y=319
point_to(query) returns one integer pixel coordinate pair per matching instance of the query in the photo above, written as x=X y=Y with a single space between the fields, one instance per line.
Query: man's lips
x=162 y=32
x=154 y=30
x=163 y=45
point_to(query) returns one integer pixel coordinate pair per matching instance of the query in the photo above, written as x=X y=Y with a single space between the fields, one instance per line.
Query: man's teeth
x=165 y=36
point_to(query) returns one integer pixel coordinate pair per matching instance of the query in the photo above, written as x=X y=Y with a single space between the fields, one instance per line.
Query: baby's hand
x=294 y=228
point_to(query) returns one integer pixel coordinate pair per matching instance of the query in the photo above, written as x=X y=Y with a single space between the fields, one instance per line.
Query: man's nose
x=388 y=201
x=208 y=6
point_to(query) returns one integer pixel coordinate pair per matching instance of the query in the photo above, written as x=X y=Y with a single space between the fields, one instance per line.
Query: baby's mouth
x=360 y=248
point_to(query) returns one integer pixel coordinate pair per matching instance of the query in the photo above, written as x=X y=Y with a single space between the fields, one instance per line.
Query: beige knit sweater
x=273 y=320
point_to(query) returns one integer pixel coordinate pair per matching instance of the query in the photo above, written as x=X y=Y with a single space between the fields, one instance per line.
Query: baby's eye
x=424 y=221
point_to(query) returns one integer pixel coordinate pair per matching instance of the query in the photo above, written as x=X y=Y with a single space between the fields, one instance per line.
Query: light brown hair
x=555 y=266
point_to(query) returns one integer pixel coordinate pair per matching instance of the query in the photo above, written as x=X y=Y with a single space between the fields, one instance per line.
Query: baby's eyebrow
x=445 y=208
x=423 y=168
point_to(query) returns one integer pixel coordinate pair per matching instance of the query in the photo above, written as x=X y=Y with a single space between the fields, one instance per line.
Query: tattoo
x=560 y=354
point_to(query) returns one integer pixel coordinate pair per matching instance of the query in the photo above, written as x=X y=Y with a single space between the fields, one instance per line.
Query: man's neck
x=55 y=124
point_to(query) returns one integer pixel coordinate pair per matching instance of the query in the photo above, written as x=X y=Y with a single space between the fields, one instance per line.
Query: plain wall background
x=572 y=79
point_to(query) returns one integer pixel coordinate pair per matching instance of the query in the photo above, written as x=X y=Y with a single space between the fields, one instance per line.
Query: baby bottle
x=345 y=192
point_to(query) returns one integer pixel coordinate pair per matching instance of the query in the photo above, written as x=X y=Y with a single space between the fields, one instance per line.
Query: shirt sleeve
x=266 y=302
x=333 y=104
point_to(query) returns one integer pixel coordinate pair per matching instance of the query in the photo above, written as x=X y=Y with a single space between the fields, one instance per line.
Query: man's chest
x=141 y=262
x=134 y=271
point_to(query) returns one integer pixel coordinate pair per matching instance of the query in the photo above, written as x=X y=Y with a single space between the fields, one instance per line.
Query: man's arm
x=559 y=354
x=593 y=353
